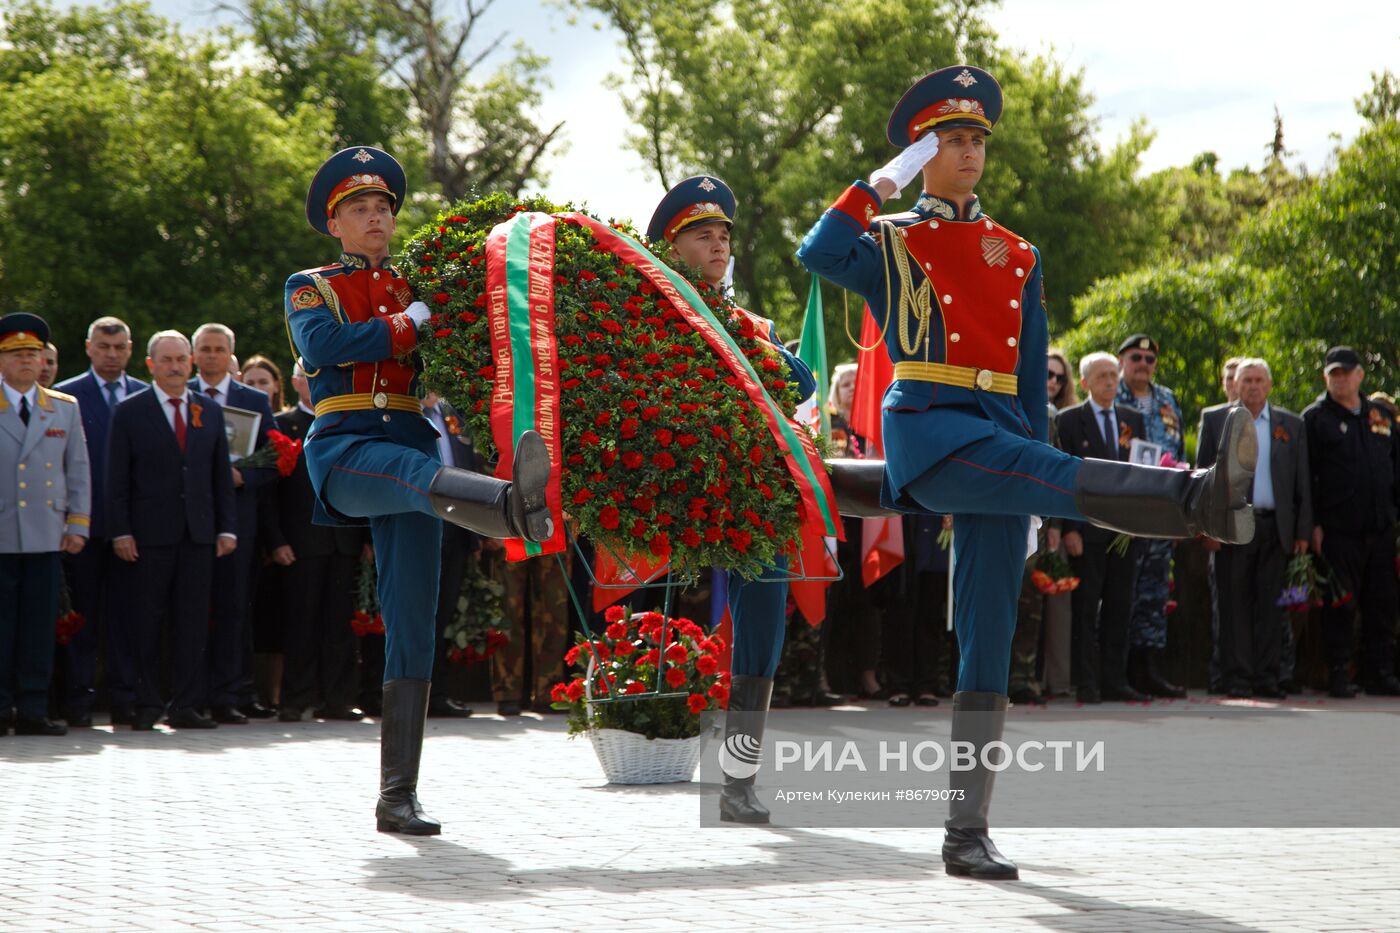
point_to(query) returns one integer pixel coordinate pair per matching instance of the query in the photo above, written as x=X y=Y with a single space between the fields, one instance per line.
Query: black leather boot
x=1159 y=502
x=978 y=718
x=749 y=697
x=1157 y=683
x=856 y=484
x=400 y=747
x=494 y=507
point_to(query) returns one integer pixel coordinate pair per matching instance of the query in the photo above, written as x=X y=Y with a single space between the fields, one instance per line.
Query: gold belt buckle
x=381 y=399
x=984 y=380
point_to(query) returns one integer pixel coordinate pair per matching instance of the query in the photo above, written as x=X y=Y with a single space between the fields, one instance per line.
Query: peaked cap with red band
x=349 y=173
x=700 y=199
x=959 y=95
x=23 y=331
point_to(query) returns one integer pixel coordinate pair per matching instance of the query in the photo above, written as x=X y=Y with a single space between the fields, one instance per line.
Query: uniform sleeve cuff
x=860 y=202
x=403 y=334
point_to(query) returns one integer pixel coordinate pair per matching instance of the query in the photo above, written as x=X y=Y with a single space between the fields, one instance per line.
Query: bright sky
x=1205 y=75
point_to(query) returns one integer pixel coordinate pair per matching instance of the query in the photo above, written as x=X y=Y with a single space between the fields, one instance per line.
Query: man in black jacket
x=1103 y=601
x=1351 y=449
x=170 y=512
x=318 y=645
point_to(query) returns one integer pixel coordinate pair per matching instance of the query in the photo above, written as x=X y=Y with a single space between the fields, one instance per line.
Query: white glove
x=903 y=168
x=1032 y=542
x=418 y=313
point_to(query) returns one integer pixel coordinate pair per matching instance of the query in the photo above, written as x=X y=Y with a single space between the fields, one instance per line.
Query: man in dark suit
x=318 y=644
x=100 y=584
x=1250 y=576
x=458 y=546
x=1102 y=604
x=230 y=651
x=1212 y=423
x=170 y=513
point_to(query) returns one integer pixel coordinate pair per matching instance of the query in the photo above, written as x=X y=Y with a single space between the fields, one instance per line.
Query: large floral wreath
x=666 y=458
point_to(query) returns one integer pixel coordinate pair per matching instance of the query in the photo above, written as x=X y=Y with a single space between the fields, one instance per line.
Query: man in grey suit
x=1250 y=576
x=44 y=510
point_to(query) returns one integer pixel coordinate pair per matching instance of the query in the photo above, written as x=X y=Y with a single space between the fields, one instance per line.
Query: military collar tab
x=356 y=261
x=930 y=205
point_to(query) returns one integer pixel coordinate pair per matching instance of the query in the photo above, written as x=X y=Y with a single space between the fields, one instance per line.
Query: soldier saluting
x=373 y=458
x=958 y=298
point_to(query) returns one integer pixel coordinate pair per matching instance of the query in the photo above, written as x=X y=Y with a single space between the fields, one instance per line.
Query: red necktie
x=179 y=424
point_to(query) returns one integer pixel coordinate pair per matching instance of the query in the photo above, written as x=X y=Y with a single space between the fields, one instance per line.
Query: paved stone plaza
x=270 y=827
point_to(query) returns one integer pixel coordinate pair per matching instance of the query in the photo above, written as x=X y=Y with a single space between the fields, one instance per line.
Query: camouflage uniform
x=1162 y=415
x=536 y=607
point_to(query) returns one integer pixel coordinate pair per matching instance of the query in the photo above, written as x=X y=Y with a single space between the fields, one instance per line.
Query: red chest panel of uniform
x=978 y=271
x=366 y=294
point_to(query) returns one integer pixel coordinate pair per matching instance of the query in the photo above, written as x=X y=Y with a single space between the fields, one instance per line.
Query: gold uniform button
x=48 y=466
x=384 y=382
x=382 y=309
x=989 y=225
x=933 y=225
x=23 y=485
x=947 y=299
x=984 y=379
x=1020 y=273
x=22 y=503
x=928 y=266
x=21 y=466
x=49 y=503
x=376 y=276
x=1015 y=303
x=386 y=417
x=954 y=338
x=1024 y=245
x=1011 y=341
x=49 y=483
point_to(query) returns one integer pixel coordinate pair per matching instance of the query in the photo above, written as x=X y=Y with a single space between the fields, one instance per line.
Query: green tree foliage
x=1200 y=314
x=787 y=100
x=143 y=174
x=1336 y=252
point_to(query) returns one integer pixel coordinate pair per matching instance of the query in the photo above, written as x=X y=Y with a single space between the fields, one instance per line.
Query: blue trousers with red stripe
x=990 y=487
x=387 y=482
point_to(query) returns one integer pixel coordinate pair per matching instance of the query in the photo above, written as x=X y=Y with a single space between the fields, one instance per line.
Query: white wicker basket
x=629 y=758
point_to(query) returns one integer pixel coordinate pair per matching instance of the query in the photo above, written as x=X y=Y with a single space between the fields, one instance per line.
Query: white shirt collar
x=303 y=407
x=102 y=383
x=222 y=385
x=12 y=395
x=1100 y=409
x=1263 y=412
x=166 y=397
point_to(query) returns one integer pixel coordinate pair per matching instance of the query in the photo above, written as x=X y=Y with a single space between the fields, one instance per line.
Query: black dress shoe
x=971 y=853
x=340 y=714
x=6 y=723
x=1341 y=686
x=1270 y=692
x=825 y=698
x=448 y=708
x=144 y=720
x=928 y=699
x=1289 y=685
x=1387 y=686
x=1026 y=696
x=900 y=699
x=508 y=708
x=1089 y=695
x=1239 y=692
x=187 y=717
x=290 y=713
x=123 y=715
x=228 y=715
x=256 y=710
x=1125 y=694
x=77 y=720
x=41 y=726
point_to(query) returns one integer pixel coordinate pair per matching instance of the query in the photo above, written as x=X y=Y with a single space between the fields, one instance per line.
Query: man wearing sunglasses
x=1161 y=413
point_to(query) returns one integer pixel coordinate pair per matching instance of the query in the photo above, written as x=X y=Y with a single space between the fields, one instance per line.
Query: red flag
x=881 y=539
x=874 y=373
x=815 y=561
x=606 y=570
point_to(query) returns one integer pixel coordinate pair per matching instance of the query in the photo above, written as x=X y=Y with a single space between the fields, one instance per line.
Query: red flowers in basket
x=670 y=666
